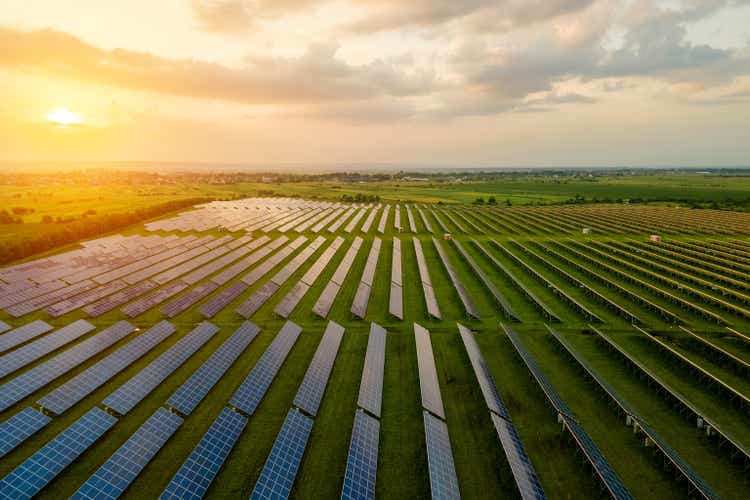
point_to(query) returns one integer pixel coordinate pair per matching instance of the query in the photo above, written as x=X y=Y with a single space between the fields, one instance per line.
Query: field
x=680 y=307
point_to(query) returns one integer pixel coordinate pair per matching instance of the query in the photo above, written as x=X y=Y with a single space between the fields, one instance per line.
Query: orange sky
x=475 y=83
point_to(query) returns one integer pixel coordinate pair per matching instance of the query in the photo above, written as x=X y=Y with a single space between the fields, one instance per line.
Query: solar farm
x=290 y=348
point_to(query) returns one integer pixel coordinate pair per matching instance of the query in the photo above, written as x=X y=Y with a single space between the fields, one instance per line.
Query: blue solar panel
x=96 y=375
x=314 y=384
x=43 y=346
x=362 y=463
x=371 y=387
x=443 y=480
x=4 y=327
x=19 y=427
x=523 y=472
x=250 y=393
x=134 y=390
x=39 y=376
x=200 y=468
x=22 y=334
x=482 y=372
x=194 y=389
x=428 y=379
x=113 y=478
x=277 y=477
x=37 y=471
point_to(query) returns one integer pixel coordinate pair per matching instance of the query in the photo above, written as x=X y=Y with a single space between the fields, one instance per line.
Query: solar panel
x=313 y=386
x=34 y=379
x=384 y=219
x=362 y=462
x=117 y=299
x=23 y=334
x=277 y=477
x=443 y=480
x=4 y=327
x=200 y=468
x=193 y=390
x=482 y=372
x=230 y=272
x=20 y=427
x=368 y=274
x=37 y=471
x=250 y=393
x=134 y=390
x=346 y=263
x=361 y=299
x=37 y=303
x=469 y=307
x=323 y=306
x=87 y=297
x=426 y=223
x=187 y=300
x=429 y=294
x=83 y=384
x=428 y=377
x=322 y=261
x=256 y=300
x=396 y=271
x=113 y=478
x=371 y=387
x=41 y=347
x=368 y=221
x=290 y=301
x=212 y=307
x=523 y=471
x=143 y=304
x=396 y=301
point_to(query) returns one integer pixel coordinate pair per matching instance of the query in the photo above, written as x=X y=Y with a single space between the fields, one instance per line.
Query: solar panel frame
x=360 y=476
x=429 y=384
x=120 y=470
x=482 y=372
x=468 y=304
x=198 y=471
x=23 y=333
x=132 y=392
x=313 y=386
x=371 y=386
x=527 y=481
x=187 y=397
x=83 y=384
x=442 y=470
x=20 y=427
x=257 y=299
x=42 y=467
x=280 y=470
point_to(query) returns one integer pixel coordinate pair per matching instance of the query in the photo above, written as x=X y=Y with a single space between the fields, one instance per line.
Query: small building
x=586 y=231
x=655 y=238
x=447 y=237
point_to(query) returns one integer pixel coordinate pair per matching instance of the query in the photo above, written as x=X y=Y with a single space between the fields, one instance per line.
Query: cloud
x=221 y=16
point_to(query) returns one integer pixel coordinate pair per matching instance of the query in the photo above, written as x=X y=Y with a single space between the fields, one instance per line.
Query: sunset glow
x=63 y=117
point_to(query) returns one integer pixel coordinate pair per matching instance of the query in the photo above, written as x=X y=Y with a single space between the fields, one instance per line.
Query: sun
x=63 y=116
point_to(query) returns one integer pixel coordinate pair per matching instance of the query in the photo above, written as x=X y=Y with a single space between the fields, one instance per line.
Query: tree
x=491 y=201
x=479 y=201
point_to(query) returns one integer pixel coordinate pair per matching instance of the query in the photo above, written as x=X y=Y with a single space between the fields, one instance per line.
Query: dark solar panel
x=23 y=334
x=80 y=300
x=250 y=393
x=277 y=477
x=443 y=480
x=291 y=299
x=113 y=478
x=83 y=384
x=482 y=372
x=257 y=299
x=200 y=468
x=428 y=378
x=313 y=386
x=20 y=427
x=41 y=347
x=193 y=390
x=117 y=299
x=34 y=379
x=323 y=306
x=371 y=387
x=362 y=462
x=26 y=480
x=187 y=300
x=143 y=304
x=212 y=307
x=523 y=471
x=134 y=390
x=469 y=307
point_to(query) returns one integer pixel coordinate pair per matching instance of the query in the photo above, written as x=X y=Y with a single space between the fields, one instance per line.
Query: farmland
x=623 y=333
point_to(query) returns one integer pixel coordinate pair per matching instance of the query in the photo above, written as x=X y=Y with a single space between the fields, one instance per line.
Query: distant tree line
x=88 y=227
x=360 y=198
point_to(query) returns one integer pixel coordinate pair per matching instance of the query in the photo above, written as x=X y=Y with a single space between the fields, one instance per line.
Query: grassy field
x=481 y=465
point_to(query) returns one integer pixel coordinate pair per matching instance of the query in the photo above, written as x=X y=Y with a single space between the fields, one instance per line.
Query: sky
x=476 y=83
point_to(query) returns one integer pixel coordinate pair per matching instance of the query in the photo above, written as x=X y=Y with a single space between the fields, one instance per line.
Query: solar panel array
x=250 y=393
x=20 y=427
x=426 y=222
x=195 y=475
x=353 y=223
x=362 y=296
x=23 y=334
x=76 y=302
x=314 y=384
x=371 y=387
x=396 y=297
x=83 y=384
x=223 y=261
x=323 y=306
x=274 y=260
x=190 y=265
x=384 y=219
x=443 y=479
x=29 y=306
x=484 y=377
x=117 y=299
x=113 y=478
x=277 y=477
x=42 y=374
x=123 y=399
x=424 y=274
x=212 y=307
x=187 y=300
x=148 y=302
x=32 y=351
x=369 y=220
x=187 y=397
x=235 y=269
x=4 y=327
x=469 y=307
x=362 y=461
x=28 y=479
x=428 y=378
x=410 y=217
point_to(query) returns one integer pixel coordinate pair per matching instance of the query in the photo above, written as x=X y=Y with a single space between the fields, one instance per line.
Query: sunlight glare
x=63 y=116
